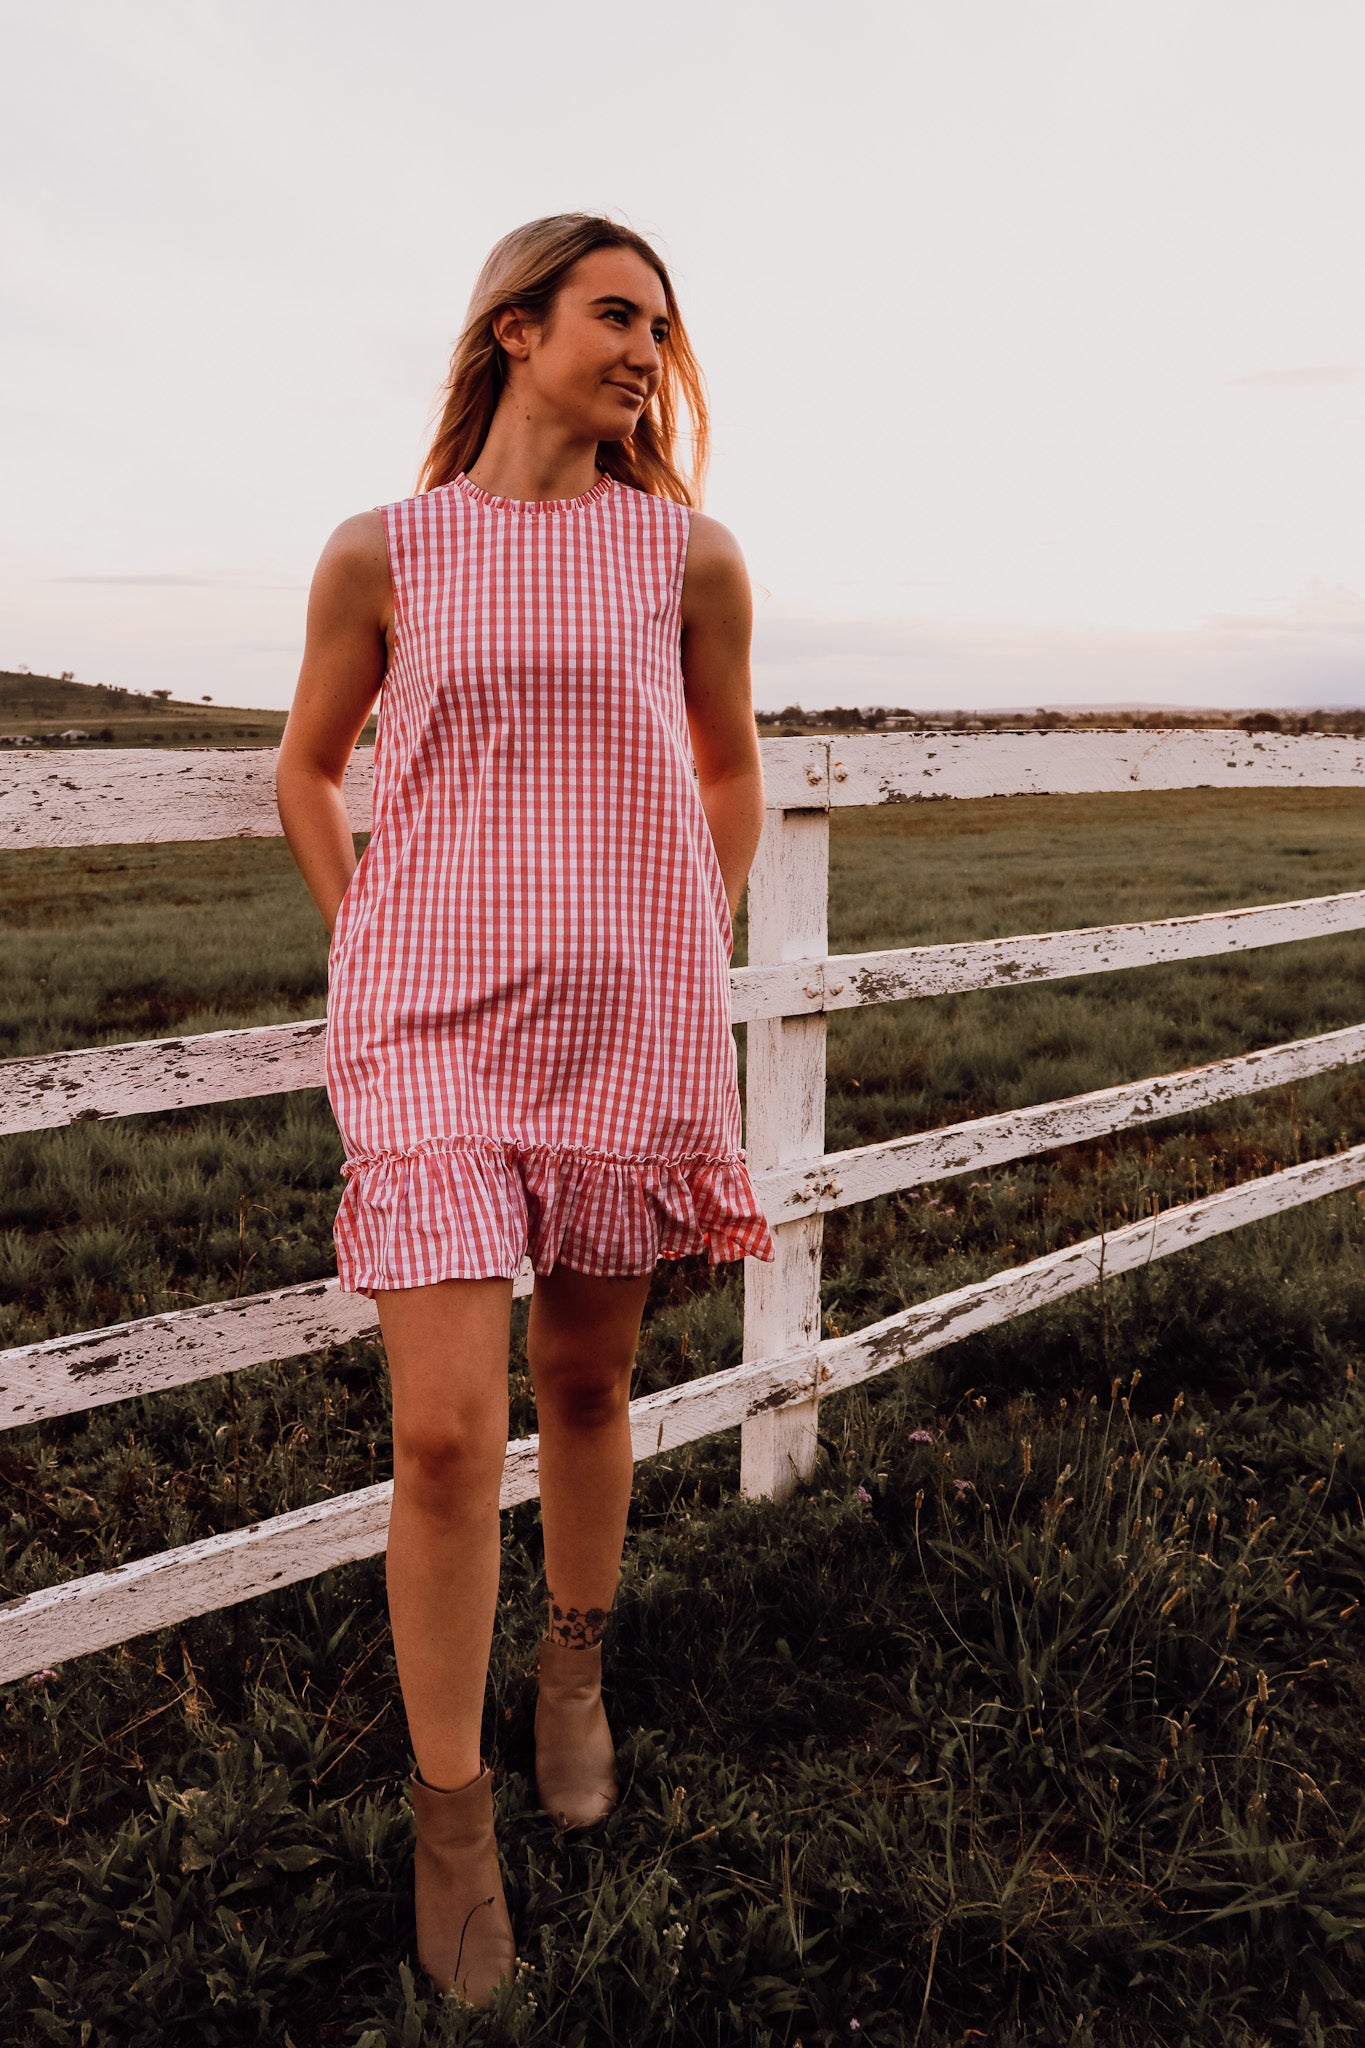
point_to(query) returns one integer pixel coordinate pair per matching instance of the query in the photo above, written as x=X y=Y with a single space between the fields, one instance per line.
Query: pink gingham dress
x=529 y=1051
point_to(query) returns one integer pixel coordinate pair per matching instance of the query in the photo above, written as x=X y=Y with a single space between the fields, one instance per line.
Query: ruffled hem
x=474 y=1208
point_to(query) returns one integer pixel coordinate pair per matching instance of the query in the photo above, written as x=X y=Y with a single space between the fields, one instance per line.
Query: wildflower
x=41 y=1677
x=961 y=1486
x=921 y=1436
x=864 y=1495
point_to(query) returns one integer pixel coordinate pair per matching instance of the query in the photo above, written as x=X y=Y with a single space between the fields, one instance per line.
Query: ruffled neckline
x=479 y=496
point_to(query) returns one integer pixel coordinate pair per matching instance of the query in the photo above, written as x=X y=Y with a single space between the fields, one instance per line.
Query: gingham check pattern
x=529 y=1048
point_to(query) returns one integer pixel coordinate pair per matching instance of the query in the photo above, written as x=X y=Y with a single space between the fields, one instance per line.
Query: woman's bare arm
x=717 y=622
x=346 y=654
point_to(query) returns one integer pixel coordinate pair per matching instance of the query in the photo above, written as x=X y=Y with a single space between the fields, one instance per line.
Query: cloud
x=1301 y=379
x=169 y=582
x=152 y=582
x=1308 y=654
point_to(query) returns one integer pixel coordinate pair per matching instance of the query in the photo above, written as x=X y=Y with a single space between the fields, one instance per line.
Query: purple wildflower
x=864 y=1495
x=921 y=1436
x=961 y=1486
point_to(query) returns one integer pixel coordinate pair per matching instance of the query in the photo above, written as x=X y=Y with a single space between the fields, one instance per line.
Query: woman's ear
x=512 y=331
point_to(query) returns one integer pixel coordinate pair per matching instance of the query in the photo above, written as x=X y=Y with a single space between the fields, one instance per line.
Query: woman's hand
x=345 y=658
x=717 y=624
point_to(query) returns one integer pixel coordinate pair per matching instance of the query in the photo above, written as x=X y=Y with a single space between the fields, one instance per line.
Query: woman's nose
x=644 y=353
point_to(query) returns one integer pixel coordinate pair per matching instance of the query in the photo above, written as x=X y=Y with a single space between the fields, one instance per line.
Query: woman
x=529 y=1047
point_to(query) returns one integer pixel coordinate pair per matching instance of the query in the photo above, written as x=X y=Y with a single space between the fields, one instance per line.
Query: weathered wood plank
x=912 y=1333
x=785 y=1120
x=139 y=795
x=47 y=1090
x=102 y=1608
x=839 y=1179
x=795 y=774
x=143 y=794
x=90 y=1368
x=146 y=795
x=852 y=979
x=893 y=768
x=847 y=981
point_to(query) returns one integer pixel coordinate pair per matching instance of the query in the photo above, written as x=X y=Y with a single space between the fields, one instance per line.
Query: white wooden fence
x=784 y=996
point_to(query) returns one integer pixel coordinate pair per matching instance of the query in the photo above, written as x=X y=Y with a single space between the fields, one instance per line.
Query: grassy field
x=1035 y=1719
x=44 y=707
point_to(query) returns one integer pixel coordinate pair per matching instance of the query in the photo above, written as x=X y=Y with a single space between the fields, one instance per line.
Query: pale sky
x=1034 y=329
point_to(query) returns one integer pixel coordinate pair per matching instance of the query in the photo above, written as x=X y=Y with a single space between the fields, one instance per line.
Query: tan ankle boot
x=575 y=1758
x=464 y=1936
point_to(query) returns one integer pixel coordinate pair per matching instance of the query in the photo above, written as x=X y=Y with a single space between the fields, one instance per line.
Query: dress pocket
x=341 y=921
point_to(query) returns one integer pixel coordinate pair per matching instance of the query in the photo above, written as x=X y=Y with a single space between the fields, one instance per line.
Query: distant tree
x=206 y=700
x=1261 y=721
x=161 y=695
x=68 y=675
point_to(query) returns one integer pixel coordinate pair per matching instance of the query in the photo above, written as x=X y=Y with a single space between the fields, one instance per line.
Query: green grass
x=1001 y=1751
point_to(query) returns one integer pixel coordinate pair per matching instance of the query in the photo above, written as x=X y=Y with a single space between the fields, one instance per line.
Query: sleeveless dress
x=529 y=1051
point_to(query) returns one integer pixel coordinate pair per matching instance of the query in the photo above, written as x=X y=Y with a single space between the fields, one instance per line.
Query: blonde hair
x=526 y=269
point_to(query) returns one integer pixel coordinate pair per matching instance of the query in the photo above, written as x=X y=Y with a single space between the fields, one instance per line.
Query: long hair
x=526 y=269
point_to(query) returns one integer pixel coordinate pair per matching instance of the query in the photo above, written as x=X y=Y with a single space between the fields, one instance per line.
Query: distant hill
x=45 y=707
x=795 y=721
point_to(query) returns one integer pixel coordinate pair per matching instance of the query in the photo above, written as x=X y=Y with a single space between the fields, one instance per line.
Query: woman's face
x=595 y=364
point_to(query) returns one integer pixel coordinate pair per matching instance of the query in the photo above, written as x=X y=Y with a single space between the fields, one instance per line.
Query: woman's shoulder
x=716 y=567
x=712 y=545
x=367 y=540
x=355 y=558
x=357 y=535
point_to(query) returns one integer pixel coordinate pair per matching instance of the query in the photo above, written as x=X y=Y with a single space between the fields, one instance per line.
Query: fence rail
x=784 y=996
x=139 y=795
x=66 y=1375
x=273 y=1059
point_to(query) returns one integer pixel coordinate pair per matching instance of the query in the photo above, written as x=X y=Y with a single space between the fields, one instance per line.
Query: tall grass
x=1036 y=1718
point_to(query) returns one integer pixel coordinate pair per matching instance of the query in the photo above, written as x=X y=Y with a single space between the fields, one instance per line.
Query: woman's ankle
x=575 y=1628
x=458 y=1782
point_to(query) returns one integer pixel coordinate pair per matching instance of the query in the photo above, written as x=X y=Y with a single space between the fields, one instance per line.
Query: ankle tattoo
x=576 y=1628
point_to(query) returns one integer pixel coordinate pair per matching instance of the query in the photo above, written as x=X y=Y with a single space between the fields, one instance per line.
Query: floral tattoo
x=576 y=1628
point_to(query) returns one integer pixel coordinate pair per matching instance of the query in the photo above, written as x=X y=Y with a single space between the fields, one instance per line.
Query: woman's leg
x=447 y=1349
x=580 y=1345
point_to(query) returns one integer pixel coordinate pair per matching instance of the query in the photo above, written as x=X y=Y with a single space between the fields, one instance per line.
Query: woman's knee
x=583 y=1395
x=444 y=1466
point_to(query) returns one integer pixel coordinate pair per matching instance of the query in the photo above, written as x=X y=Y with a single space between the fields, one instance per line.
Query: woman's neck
x=522 y=459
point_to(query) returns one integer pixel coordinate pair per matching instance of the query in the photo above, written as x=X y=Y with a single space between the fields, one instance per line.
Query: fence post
x=785 y=1120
